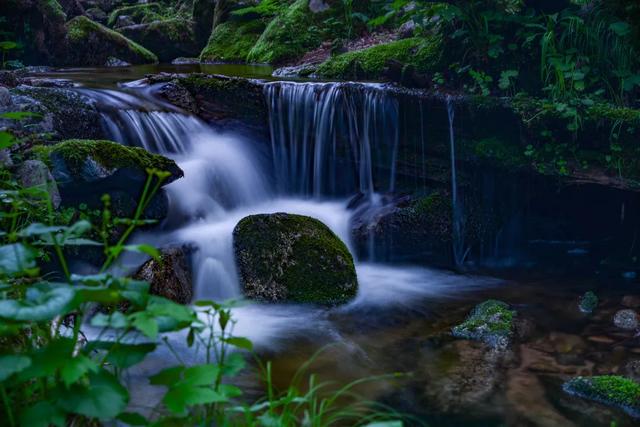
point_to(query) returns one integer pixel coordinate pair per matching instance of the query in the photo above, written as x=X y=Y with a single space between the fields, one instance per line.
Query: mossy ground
x=422 y=53
x=107 y=153
x=139 y=13
x=91 y=43
x=613 y=390
x=490 y=322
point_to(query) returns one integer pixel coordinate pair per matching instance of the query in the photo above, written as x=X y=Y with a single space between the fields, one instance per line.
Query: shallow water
x=402 y=316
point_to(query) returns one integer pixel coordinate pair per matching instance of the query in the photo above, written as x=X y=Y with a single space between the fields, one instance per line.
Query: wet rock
x=124 y=21
x=115 y=62
x=179 y=96
x=616 y=391
x=407 y=29
x=87 y=169
x=96 y=14
x=490 y=322
x=302 y=70
x=64 y=113
x=317 y=6
x=588 y=302
x=34 y=173
x=170 y=276
x=5 y=97
x=632 y=370
x=626 y=319
x=8 y=78
x=91 y=43
x=284 y=257
x=631 y=301
x=5 y=158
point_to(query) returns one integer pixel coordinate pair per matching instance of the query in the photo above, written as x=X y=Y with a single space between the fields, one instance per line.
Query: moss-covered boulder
x=490 y=322
x=612 y=390
x=169 y=39
x=90 y=43
x=284 y=257
x=138 y=13
x=288 y=36
x=87 y=169
x=418 y=54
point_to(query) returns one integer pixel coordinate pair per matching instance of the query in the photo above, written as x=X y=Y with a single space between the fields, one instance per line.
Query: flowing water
x=327 y=142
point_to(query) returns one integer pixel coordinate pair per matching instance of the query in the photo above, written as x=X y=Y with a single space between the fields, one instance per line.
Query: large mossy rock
x=169 y=39
x=232 y=41
x=87 y=169
x=91 y=43
x=288 y=36
x=284 y=257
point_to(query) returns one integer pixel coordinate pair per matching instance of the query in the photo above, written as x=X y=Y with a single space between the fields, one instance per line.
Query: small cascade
x=331 y=139
x=458 y=220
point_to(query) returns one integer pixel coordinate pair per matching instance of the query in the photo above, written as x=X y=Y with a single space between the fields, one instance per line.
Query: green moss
x=422 y=53
x=232 y=41
x=588 y=302
x=297 y=255
x=617 y=391
x=614 y=113
x=93 y=43
x=288 y=36
x=51 y=8
x=490 y=322
x=139 y=13
x=109 y=154
x=496 y=150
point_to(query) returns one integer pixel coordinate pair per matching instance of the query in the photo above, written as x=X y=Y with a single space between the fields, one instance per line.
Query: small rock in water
x=170 y=277
x=626 y=319
x=115 y=62
x=5 y=97
x=490 y=322
x=588 y=302
x=34 y=173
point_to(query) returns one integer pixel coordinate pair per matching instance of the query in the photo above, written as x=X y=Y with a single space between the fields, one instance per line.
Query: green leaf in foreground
x=43 y=414
x=12 y=364
x=104 y=398
x=16 y=259
x=42 y=306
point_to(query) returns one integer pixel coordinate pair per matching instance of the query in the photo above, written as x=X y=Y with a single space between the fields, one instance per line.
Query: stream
x=402 y=315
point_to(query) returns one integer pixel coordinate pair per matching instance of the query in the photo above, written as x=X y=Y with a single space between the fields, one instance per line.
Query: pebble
x=626 y=319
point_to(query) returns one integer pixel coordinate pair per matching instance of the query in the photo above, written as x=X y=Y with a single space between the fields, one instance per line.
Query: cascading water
x=327 y=138
x=457 y=220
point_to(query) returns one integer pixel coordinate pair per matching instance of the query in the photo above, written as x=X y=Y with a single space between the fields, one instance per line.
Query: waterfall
x=329 y=139
x=456 y=205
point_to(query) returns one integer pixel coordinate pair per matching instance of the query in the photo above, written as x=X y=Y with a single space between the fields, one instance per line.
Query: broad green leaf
x=16 y=259
x=385 y=424
x=145 y=323
x=47 y=361
x=43 y=414
x=240 y=342
x=233 y=364
x=115 y=320
x=200 y=375
x=104 y=398
x=126 y=355
x=179 y=398
x=145 y=249
x=7 y=139
x=76 y=368
x=620 y=28
x=12 y=364
x=8 y=45
x=168 y=376
x=45 y=306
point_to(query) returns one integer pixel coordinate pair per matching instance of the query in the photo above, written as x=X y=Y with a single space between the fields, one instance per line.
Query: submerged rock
x=284 y=257
x=588 y=302
x=490 y=322
x=626 y=319
x=91 y=43
x=616 y=391
x=169 y=277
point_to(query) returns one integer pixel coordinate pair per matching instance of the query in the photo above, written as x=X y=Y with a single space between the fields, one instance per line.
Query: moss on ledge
x=91 y=43
x=140 y=13
x=611 y=390
x=422 y=53
x=107 y=154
